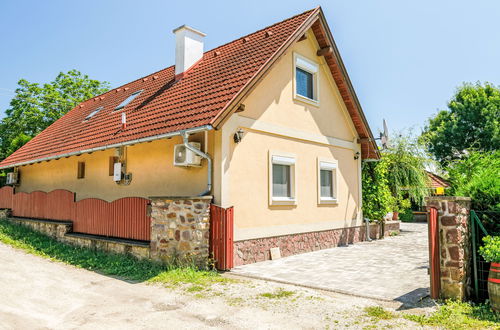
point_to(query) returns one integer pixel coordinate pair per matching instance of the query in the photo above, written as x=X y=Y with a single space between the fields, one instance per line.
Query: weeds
x=278 y=294
x=459 y=315
x=379 y=313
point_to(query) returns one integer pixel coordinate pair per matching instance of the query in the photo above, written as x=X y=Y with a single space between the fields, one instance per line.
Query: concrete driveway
x=395 y=268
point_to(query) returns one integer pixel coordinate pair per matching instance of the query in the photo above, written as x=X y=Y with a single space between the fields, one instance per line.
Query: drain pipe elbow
x=367 y=221
x=185 y=138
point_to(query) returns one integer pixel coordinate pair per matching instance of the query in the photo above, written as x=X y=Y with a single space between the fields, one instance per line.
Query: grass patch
x=458 y=315
x=124 y=266
x=278 y=294
x=379 y=313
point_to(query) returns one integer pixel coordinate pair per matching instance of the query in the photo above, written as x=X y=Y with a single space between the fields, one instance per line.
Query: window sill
x=283 y=201
x=330 y=201
x=304 y=99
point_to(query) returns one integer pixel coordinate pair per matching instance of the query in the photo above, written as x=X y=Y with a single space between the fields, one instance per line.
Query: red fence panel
x=60 y=204
x=21 y=205
x=221 y=236
x=123 y=218
x=6 y=194
x=434 y=260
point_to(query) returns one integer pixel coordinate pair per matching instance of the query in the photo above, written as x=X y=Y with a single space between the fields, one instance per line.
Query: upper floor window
x=306 y=79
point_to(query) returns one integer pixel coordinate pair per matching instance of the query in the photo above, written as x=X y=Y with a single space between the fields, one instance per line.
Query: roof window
x=128 y=100
x=93 y=113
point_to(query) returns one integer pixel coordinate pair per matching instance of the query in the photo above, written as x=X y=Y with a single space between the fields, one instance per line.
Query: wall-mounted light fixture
x=238 y=136
x=356 y=155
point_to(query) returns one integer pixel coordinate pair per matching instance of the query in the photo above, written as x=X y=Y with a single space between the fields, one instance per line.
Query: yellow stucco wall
x=151 y=165
x=274 y=120
x=273 y=101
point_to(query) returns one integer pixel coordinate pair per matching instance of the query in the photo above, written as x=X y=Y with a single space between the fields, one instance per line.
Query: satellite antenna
x=384 y=136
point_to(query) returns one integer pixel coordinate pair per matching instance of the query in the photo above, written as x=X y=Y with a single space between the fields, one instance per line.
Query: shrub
x=478 y=176
x=407 y=216
x=491 y=249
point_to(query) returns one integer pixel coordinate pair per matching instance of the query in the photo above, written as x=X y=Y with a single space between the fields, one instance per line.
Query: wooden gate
x=221 y=236
x=435 y=272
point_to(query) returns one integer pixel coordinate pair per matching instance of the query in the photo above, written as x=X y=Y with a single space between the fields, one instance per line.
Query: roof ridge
x=264 y=28
x=206 y=52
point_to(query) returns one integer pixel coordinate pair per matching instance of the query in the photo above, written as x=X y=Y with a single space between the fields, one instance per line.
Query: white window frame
x=332 y=165
x=312 y=67
x=289 y=159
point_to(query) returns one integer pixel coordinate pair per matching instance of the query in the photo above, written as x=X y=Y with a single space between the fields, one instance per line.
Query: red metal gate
x=434 y=260
x=221 y=236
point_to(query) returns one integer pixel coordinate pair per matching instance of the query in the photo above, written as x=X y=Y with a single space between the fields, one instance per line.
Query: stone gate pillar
x=180 y=229
x=454 y=243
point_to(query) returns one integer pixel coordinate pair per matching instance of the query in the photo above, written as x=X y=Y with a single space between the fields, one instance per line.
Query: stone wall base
x=61 y=231
x=255 y=250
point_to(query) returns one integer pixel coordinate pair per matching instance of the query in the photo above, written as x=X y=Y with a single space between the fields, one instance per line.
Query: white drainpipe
x=185 y=136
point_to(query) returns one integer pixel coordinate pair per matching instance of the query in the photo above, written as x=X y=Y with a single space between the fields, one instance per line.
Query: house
x=268 y=123
x=437 y=184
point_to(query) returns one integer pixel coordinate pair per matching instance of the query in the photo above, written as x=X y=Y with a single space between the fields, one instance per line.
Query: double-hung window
x=282 y=179
x=306 y=79
x=327 y=182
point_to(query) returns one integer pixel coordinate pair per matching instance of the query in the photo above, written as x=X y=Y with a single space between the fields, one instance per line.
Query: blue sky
x=405 y=58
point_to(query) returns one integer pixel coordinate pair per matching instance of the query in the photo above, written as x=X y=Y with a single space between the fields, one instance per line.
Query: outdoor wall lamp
x=356 y=155
x=238 y=136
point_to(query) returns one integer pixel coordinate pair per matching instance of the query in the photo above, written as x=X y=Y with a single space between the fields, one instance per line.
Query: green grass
x=379 y=313
x=123 y=266
x=278 y=294
x=459 y=315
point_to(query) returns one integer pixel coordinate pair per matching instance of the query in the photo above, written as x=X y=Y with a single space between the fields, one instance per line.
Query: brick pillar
x=454 y=243
x=180 y=228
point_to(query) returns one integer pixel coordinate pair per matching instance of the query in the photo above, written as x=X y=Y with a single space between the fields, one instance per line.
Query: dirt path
x=37 y=293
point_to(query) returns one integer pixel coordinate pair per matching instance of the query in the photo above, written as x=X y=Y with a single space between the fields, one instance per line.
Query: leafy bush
x=491 y=249
x=478 y=176
x=377 y=198
x=407 y=216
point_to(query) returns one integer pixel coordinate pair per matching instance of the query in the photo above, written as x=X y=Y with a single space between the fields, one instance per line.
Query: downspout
x=200 y=153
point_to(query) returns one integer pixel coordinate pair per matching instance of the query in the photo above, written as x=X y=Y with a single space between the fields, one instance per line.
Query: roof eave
x=111 y=146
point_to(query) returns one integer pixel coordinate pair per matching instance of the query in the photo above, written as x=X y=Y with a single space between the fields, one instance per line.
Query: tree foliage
x=406 y=175
x=477 y=176
x=400 y=176
x=471 y=122
x=35 y=106
x=377 y=198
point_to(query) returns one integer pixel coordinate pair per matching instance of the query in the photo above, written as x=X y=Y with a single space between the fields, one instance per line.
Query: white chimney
x=188 y=47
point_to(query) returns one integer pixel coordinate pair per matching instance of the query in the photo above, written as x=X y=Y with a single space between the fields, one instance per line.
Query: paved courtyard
x=394 y=268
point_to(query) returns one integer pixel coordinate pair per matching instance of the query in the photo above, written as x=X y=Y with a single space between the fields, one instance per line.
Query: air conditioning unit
x=11 y=178
x=185 y=157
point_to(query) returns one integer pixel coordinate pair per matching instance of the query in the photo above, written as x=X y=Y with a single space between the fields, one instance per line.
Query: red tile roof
x=201 y=97
x=437 y=181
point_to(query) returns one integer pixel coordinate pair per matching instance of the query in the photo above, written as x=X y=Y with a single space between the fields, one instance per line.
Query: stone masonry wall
x=180 y=228
x=454 y=243
x=255 y=250
x=62 y=231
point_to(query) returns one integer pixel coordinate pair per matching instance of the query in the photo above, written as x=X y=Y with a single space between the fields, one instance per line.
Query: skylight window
x=93 y=113
x=128 y=100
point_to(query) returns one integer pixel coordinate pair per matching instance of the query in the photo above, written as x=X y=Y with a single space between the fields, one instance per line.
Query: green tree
x=407 y=179
x=35 y=106
x=472 y=122
x=477 y=176
x=400 y=176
